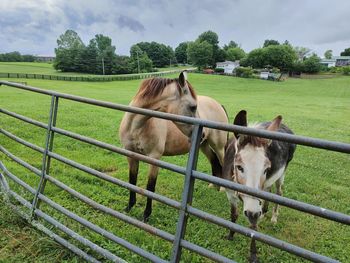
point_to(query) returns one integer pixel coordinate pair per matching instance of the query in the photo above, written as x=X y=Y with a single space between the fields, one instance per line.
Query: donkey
x=157 y=137
x=257 y=163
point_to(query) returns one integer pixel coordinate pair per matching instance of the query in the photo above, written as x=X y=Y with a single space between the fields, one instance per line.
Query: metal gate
x=184 y=207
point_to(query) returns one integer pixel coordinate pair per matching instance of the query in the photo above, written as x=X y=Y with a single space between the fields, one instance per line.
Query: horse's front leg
x=133 y=172
x=253 y=258
x=151 y=186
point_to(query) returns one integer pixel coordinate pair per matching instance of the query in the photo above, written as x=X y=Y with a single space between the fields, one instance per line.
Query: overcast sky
x=33 y=26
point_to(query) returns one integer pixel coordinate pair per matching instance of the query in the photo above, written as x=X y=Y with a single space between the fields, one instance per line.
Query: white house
x=338 y=61
x=228 y=66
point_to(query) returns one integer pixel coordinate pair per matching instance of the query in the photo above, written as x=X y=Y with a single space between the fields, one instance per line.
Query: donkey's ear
x=275 y=124
x=183 y=78
x=241 y=120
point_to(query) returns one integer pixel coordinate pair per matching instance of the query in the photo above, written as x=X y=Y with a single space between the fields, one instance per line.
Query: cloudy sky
x=33 y=26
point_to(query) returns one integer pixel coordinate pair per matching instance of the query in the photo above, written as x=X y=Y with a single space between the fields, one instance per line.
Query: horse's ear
x=275 y=124
x=183 y=78
x=241 y=120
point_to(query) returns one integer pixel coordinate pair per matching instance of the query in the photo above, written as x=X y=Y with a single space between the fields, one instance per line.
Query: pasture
x=316 y=108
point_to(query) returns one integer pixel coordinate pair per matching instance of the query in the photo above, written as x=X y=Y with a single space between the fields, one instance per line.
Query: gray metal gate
x=185 y=208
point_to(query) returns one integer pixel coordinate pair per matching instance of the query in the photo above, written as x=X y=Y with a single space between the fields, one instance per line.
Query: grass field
x=317 y=108
x=47 y=68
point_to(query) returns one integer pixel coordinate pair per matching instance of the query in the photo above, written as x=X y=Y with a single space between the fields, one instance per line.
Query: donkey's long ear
x=241 y=120
x=183 y=78
x=275 y=124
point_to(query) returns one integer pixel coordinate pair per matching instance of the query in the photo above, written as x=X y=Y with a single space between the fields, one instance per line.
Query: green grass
x=318 y=108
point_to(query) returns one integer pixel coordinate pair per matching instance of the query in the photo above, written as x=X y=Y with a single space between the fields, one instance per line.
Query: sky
x=33 y=26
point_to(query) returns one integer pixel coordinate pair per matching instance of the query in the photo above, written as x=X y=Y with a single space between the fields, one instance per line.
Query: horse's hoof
x=127 y=209
x=145 y=219
x=222 y=189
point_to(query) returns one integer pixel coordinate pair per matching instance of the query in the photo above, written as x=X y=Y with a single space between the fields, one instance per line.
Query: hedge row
x=89 y=78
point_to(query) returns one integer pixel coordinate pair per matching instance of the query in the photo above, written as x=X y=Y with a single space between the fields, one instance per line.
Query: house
x=44 y=58
x=228 y=66
x=338 y=61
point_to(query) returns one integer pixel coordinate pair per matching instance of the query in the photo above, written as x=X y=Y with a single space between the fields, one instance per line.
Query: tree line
x=16 y=57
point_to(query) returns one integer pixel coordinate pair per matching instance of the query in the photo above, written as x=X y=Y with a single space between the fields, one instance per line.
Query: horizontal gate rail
x=302 y=140
x=185 y=208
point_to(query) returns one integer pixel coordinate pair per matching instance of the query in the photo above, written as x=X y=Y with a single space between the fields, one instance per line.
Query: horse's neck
x=137 y=121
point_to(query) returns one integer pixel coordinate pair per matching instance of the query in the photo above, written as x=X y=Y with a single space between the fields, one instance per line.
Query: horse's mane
x=151 y=88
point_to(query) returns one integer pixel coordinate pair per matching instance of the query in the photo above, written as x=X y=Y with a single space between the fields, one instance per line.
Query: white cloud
x=32 y=26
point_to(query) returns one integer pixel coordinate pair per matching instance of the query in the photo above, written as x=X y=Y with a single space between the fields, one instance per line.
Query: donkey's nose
x=252 y=216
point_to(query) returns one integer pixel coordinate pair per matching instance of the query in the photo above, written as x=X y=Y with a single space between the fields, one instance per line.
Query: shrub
x=219 y=70
x=346 y=70
x=244 y=72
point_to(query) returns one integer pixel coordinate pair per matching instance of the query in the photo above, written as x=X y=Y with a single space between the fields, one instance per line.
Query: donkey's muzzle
x=252 y=216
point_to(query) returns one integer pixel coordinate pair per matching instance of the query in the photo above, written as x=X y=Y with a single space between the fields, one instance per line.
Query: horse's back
x=209 y=109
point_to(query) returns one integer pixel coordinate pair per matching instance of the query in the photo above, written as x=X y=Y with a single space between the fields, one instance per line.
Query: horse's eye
x=240 y=168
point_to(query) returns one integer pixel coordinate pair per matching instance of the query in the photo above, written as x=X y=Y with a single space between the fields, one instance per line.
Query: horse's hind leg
x=279 y=184
x=216 y=167
x=151 y=186
x=133 y=172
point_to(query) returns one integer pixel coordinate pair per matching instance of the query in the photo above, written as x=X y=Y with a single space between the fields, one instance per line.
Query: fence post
x=187 y=193
x=46 y=159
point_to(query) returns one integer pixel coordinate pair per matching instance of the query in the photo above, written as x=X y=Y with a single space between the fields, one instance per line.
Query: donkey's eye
x=240 y=168
x=266 y=170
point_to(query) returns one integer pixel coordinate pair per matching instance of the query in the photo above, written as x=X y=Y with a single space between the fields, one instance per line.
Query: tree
x=122 y=65
x=231 y=44
x=181 y=52
x=312 y=64
x=328 y=54
x=200 y=53
x=105 y=53
x=69 y=47
x=212 y=39
x=346 y=52
x=160 y=54
x=255 y=58
x=280 y=56
x=235 y=53
x=270 y=42
x=139 y=61
x=302 y=52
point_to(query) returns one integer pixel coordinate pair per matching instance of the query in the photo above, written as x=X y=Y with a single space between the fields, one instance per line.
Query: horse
x=156 y=137
x=258 y=163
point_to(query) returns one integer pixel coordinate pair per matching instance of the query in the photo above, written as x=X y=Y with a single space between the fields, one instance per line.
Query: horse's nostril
x=193 y=108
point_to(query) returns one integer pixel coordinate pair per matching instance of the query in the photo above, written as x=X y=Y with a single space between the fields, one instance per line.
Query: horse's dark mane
x=243 y=140
x=151 y=88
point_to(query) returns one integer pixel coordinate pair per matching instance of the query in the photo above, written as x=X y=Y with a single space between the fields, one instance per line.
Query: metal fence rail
x=185 y=208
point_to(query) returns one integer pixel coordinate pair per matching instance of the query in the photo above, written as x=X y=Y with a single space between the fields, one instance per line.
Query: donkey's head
x=251 y=164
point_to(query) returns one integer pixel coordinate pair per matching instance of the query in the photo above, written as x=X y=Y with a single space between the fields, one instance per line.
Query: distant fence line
x=91 y=78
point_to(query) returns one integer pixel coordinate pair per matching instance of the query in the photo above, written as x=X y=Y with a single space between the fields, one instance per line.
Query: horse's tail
x=227 y=119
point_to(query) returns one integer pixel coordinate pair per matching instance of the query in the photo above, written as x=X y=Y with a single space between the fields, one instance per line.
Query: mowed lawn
x=317 y=108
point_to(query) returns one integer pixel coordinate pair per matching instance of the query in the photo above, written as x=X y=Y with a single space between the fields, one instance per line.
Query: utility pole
x=138 y=61
x=103 y=65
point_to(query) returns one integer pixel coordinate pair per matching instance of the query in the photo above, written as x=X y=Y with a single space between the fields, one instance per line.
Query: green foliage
x=139 y=60
x=122 y=65
x=231 y=44
x=255 y=58
x=200 y=53
x=16 y=57
x=219 y=70
x=235 y=53
x=160 y=54
x=346 y=52
x=346 y=70
x=181 y=52
x=270 y=42
x=213 y=40
x=244 y=72
x=328 y=54
x=312 y=64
